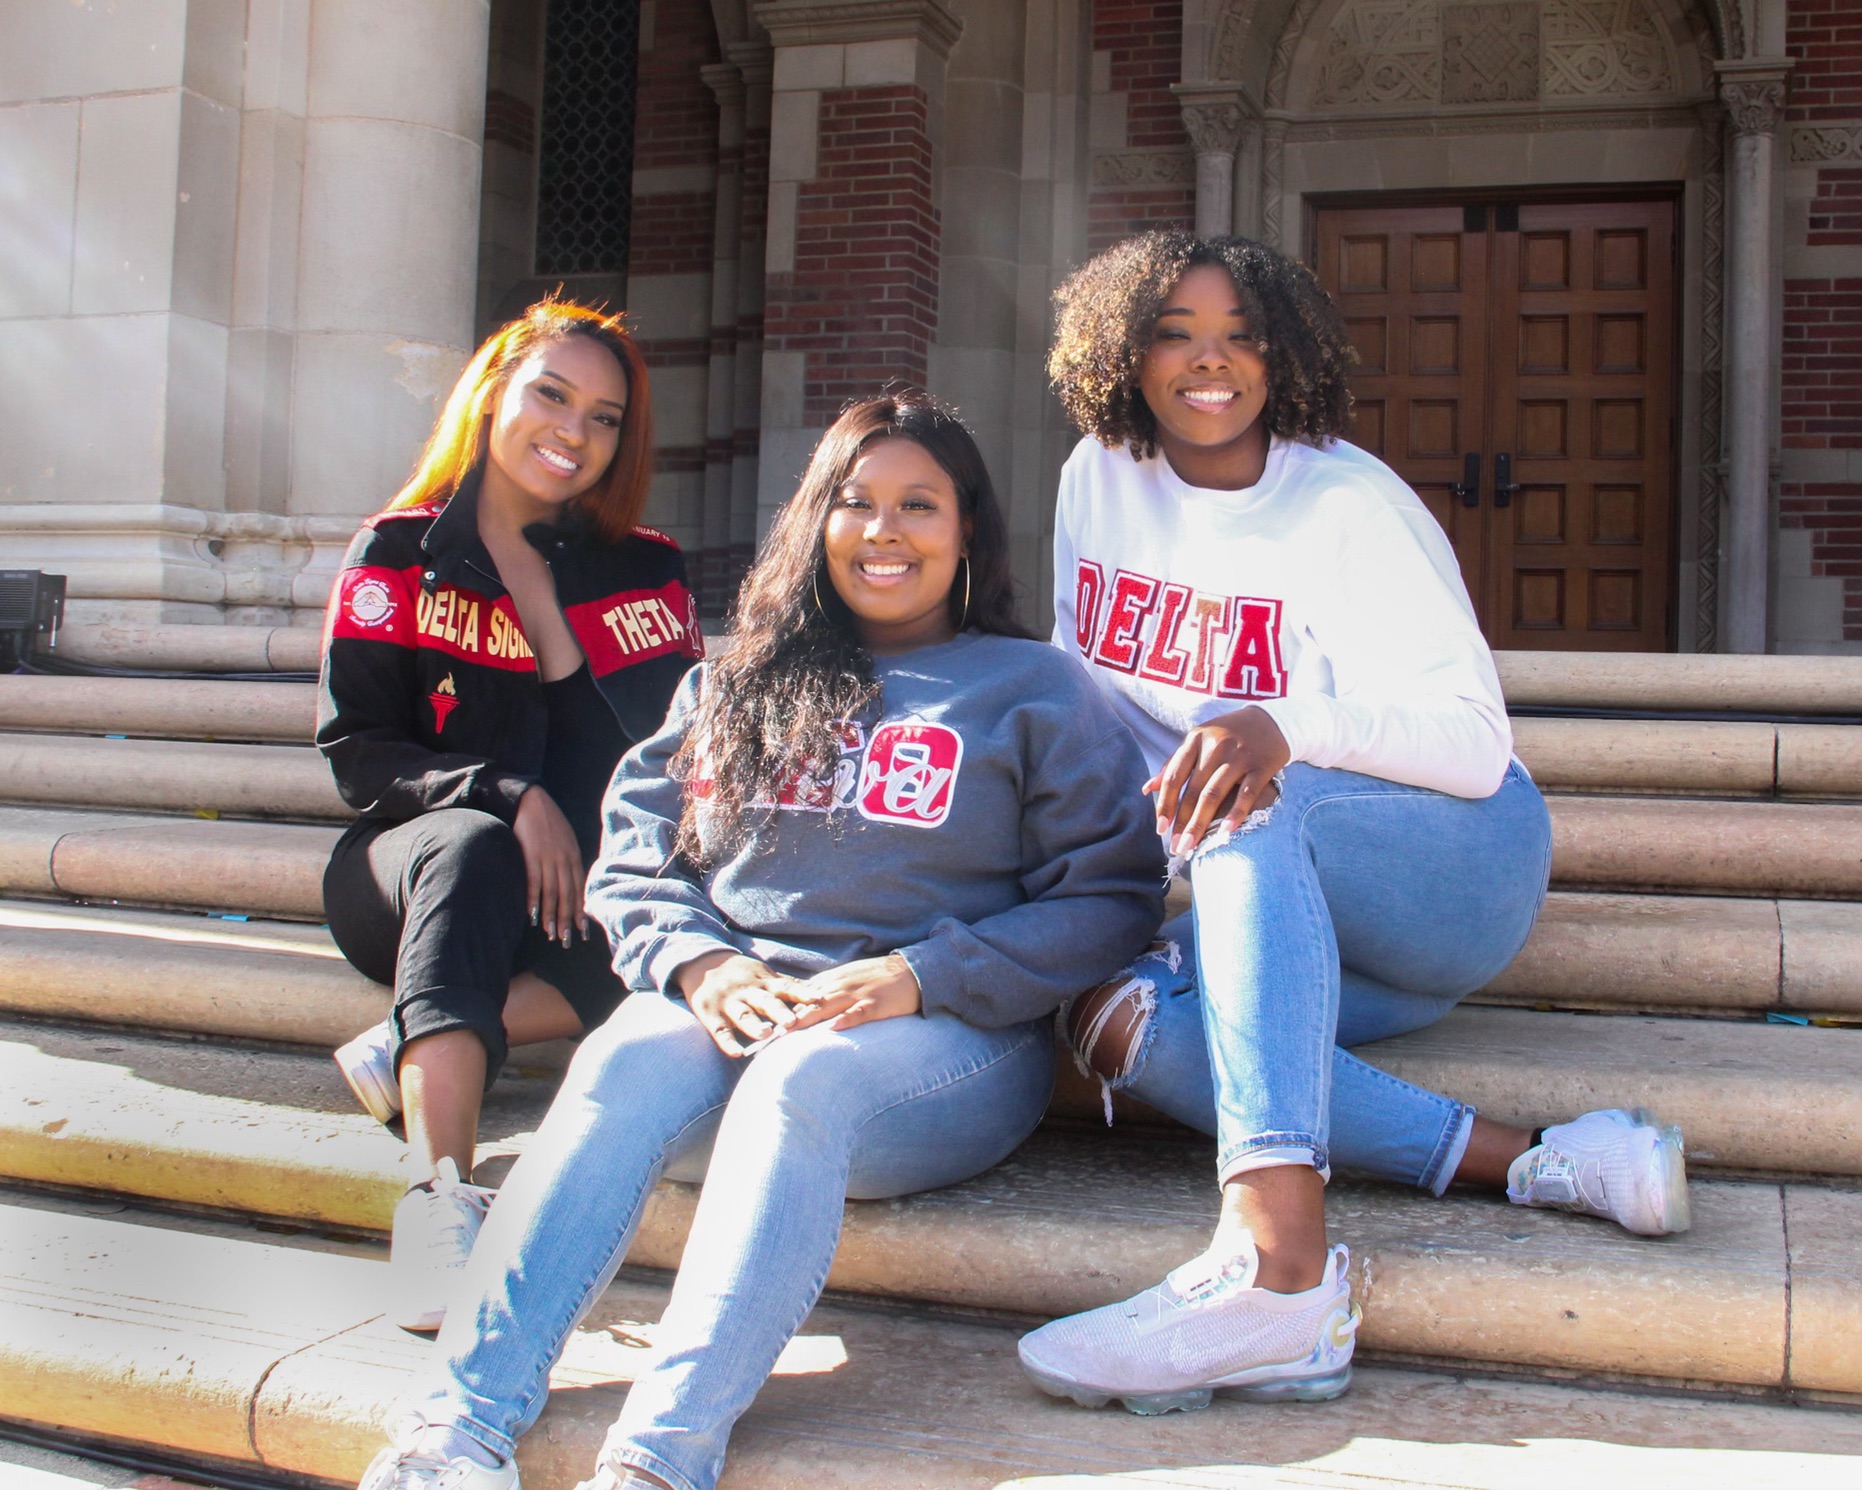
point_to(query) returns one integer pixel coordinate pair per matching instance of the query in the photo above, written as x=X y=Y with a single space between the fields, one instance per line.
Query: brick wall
x=675 y=125
x=1821 y=394
x=861 y=301
x=1825 y=39
x=1145 y=41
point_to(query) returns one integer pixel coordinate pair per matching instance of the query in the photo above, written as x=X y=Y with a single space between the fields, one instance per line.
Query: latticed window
x=585 y=173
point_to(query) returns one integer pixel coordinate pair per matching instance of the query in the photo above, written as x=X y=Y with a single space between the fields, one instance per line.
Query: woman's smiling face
x=556 y=426
x=1206 y=382
x=894 y=535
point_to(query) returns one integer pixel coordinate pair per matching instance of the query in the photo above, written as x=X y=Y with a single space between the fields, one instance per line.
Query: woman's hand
x=738 y=1000
x=860 y=992
x=1224 y=768
x=553 y=868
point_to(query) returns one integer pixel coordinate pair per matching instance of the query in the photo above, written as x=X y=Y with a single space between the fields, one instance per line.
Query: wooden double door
x=1517 y=368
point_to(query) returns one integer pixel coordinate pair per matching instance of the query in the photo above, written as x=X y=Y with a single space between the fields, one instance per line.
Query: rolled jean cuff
x=1449 y=1152
x=639 y=1459
x=438 y=1411
x=1274 y=1156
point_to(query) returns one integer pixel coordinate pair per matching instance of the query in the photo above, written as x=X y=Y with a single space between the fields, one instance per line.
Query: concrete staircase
x=192 y=1207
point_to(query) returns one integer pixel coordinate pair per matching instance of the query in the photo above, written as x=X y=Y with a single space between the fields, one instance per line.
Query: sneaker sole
x=383 y=1103
x=1668 y=1195
x=1265 y=1387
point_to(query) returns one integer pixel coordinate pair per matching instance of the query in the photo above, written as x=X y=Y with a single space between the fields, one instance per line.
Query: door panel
x=1584 y=292
x=1405 y=278
x=1544 y=352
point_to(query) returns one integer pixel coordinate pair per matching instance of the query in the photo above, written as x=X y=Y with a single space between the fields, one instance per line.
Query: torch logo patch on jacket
x=444 y=699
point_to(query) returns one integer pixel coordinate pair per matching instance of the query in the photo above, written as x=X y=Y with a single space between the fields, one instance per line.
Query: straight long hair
x=797 y=670
x=460 y=437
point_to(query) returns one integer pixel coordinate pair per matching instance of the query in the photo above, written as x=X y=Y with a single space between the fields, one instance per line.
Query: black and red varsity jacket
x=430 y=695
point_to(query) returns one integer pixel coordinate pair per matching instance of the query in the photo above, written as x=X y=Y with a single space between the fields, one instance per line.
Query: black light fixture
x=32 y=604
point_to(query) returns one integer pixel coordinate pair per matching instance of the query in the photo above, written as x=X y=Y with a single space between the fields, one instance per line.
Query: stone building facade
x=1602 y=260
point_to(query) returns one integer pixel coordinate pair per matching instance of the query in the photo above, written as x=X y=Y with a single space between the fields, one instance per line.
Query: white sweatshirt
x=1325 y=593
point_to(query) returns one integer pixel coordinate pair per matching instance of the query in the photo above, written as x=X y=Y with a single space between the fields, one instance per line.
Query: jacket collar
x=452 y=544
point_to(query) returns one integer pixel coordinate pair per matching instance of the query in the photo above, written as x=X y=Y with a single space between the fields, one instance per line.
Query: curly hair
x=1107 y=311
x=773 y=706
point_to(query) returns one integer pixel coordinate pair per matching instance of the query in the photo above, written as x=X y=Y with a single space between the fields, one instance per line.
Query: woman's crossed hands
x=742 y=1002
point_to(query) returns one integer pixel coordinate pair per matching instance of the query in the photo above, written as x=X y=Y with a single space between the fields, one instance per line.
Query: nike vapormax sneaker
x=1623 y=1166
x=1205 y=1329
x=410 y=1464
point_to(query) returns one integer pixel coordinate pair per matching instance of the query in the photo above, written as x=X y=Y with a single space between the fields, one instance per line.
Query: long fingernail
x=533 y=916
x=1184 y=844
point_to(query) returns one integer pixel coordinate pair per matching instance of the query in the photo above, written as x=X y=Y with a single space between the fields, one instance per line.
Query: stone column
x=710 y=565
x=752 y=59
x=1753 y=93
x=389 y=245
x=856 y=111
x=1214 y=115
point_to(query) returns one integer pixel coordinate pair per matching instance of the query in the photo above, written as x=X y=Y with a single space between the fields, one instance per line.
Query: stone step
x=159 y=708
x=265 y=869
x=1797 y=850
x=254 y=781
x=1631 y=681
x=1696 y=952
x=1682 y=682
x=195 y=649
x=1691 y=758
x=1592 y=755
x=275 y=1131
x=1750 y=848
x=227 y=1347
x=285 y=982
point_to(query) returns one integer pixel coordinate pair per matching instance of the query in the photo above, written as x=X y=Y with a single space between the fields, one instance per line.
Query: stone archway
x=1378 y=95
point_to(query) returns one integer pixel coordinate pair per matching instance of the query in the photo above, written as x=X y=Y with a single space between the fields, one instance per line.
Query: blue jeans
x=884 y=1109
x=1356 y=910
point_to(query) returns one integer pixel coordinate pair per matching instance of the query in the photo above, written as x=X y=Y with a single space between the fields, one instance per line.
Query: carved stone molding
x=1144 y=168
x=793 y=23
x=1383 y=53
x=1820 y=143
x=1490 y=52
x=725 y=81
x=1753 y=94
x=1213 y=117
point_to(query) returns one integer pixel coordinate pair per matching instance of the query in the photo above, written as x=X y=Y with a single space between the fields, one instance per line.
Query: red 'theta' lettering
x=1088 y=590
x=1132 y=595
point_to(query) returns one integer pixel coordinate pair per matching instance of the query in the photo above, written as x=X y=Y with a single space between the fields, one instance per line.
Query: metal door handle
x=1503 y=483
x=1468 y=488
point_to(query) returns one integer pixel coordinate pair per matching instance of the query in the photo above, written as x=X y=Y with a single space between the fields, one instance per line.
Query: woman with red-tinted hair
x=500 y=634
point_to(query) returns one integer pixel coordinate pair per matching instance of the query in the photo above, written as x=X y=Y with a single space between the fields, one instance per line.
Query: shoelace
x=465 y=1207
x=1551 y=1179
x=425 y=1472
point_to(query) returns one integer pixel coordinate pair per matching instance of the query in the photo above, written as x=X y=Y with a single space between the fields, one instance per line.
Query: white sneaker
x=367 y=1064
x=1623 y=1166
x=435 y=1226
x=1205 y=1328
x=400 y=1467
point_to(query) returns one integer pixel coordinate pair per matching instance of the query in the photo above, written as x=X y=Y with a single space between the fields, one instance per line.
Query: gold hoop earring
x=814 y=583
x=964 y=620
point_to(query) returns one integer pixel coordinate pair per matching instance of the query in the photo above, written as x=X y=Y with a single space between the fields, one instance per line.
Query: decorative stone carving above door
x=1379 y=54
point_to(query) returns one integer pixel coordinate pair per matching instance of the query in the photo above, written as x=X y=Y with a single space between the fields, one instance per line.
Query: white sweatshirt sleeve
x=1417 y=699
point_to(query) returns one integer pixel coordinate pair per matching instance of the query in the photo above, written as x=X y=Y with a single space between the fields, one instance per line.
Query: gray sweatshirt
x=986 y=823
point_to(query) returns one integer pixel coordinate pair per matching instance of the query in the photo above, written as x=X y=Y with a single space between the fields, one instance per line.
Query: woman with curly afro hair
x=1283 y=626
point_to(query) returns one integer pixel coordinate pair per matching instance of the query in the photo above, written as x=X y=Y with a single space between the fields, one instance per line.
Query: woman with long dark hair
x=850 y=882
x=498 y=637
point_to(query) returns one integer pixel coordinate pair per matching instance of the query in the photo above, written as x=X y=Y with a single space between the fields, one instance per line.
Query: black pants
x=435 y=907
